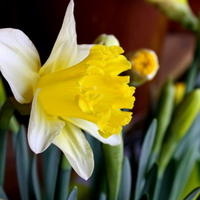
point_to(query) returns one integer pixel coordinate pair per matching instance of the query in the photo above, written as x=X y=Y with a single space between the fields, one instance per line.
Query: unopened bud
x=177 y=10
x=179 y=92
x=108 y=40
x=184 y=117
x=185 y=114
x=144 y=66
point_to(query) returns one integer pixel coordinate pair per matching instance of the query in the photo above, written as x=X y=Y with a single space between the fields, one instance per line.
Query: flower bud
x=108 y=40
x=179 y=92
x=144 y=66
x=185 y=114
x=177 y=10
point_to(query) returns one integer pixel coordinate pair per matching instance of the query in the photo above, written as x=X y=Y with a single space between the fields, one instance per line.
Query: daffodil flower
x=78 y=88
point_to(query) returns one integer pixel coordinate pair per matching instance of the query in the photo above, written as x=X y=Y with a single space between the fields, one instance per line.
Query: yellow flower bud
x=108 y=40
x=144 y=66
x=179 y=92
x=177 y=10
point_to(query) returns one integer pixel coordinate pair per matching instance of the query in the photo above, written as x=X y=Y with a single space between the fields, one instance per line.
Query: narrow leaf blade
x=193 y=194
x=73 y=194
x=35 y=179
x=22 y=163
x=125 y=186
x=144 y=157
x=51 y=159
x=3 y=194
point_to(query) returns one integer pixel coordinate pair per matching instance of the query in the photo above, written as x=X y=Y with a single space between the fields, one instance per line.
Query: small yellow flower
x=144 y=66
x=78 y=88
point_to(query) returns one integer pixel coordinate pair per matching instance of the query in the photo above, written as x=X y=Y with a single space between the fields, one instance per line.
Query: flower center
x=91 y=90
x=144 y=62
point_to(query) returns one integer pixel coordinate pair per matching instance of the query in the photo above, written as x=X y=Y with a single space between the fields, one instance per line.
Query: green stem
x=113 y=156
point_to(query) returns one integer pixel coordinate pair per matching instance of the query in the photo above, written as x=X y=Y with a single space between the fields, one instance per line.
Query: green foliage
x=2 y=194
x=125 y=186
x=193 y=194
x=144 y=158
x=51 y=160
x=73 y=194
x=22 y=163
x=113 y=156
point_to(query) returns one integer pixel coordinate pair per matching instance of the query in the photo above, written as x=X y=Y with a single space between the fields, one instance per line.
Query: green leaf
x=98 y=175
x=3 y=194
x=144 y=158
x=73 y=194
x=102 y=196
x=163 y=116
x=193 y=194
x=63 y=180
x=183 y=172
x=189 y=138
x=35 y=179
x=125 y=185
x=22 y=163
x=51 y=159
x=6 y=113
x=3 y=144
x=151 y=181
x=166 y=183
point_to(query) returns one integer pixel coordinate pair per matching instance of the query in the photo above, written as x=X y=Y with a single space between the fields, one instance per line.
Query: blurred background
x=135 y=23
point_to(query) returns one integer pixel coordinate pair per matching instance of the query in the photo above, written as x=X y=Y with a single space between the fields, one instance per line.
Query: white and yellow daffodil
x=78 y=88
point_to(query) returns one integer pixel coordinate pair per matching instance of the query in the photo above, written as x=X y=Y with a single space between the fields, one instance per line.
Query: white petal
x=92 y=129
x=19 y=63
x=42 y=128
x=83 y=52
x=65 y=48
x=76 y=148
